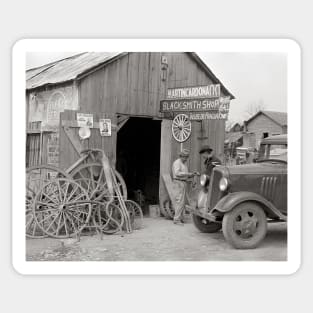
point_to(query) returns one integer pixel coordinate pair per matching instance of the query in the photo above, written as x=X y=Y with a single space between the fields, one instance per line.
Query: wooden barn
x=125 y=88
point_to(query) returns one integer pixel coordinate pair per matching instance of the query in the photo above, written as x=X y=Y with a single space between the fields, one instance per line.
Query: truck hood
x=255 y=168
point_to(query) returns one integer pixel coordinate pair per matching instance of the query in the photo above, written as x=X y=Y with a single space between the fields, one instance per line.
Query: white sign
x=210 y=91
x=84 y=119
x=105 y=127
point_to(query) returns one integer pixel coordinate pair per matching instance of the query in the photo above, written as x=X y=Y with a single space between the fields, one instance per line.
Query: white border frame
x=158 y=268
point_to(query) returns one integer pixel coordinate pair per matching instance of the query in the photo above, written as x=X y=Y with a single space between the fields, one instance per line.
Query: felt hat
x=205 y=148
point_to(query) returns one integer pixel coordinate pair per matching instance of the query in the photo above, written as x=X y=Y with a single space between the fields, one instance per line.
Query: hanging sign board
x=105 y=127
x=84 y=119
x=198 y=109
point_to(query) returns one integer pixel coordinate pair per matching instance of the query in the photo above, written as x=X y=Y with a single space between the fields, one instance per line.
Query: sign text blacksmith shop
x=202 y=102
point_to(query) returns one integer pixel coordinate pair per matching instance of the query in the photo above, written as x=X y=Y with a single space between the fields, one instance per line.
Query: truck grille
x=268 y=187
x=214 y=191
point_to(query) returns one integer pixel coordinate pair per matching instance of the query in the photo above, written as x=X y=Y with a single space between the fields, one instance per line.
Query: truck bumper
x=198 y=212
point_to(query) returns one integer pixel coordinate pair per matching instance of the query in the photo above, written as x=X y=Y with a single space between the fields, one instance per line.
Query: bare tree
x=229 y=124
x=254 y=107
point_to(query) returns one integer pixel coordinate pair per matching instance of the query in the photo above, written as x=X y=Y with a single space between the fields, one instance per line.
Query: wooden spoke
x=68 y=214
x=93 y=174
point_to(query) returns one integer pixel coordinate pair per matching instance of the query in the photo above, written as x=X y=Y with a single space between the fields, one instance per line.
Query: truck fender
x=231 y=200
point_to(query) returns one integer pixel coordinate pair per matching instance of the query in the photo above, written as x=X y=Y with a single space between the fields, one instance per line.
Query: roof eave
x=210 y=73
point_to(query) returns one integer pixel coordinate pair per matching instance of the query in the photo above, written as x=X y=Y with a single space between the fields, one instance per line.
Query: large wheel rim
x=39 y=175
x=31 y=228
x=135 y=213
x=246 y=223
x=169 y=209
x=36 y=177
x=107 y=217
x=61 y=208
x=93 y=174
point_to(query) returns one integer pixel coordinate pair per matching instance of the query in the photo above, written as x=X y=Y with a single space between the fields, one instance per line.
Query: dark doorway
x=138 y=159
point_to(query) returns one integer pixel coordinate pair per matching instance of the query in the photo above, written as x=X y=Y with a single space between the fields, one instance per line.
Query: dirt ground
x=159 y=240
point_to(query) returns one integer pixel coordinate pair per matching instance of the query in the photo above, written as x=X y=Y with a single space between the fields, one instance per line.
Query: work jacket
x=210 y=163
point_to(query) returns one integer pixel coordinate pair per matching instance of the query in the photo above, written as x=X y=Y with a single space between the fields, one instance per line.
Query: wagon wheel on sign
x=31 y=228
x=135 y=214
x=107 y=217
x=61 y=208
x=93 y=173
x=181 y=127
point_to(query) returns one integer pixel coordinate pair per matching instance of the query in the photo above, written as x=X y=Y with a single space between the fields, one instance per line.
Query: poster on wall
x=55 y=106
x=85 y=120
x=53 y=149
x=105 y=127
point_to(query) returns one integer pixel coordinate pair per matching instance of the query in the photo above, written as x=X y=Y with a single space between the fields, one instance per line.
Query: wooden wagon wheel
x=135 y=214
x=36 y=177
x=31 y=228
x=107 y=217
x=93 y=173
x=169 y=209
x=39 y=175
x=181 y=127
x=61 y=208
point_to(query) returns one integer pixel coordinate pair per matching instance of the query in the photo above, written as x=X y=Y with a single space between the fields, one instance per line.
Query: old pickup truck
x=242 y=199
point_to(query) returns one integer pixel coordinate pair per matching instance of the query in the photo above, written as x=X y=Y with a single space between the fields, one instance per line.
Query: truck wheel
x=245 y=226
x=204 y=225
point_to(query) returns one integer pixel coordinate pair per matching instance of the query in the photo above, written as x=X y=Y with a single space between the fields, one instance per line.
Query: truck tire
x=245 y=226
x=204 y=225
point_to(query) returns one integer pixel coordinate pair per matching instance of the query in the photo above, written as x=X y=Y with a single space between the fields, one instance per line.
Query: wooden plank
x=74 y=123
x=165 y=157
x=171 y=188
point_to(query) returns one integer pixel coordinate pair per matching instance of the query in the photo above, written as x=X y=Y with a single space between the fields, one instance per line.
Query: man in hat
x=210 y=160
x=180 y=177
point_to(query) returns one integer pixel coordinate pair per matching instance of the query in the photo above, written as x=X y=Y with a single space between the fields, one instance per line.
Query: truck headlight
x=203 y=179
x=223 y=185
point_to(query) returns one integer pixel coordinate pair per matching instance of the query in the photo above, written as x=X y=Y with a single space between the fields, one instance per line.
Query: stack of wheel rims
x=62 y=205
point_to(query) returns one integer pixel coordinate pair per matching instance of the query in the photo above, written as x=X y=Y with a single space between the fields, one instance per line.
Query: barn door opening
x=138 y=159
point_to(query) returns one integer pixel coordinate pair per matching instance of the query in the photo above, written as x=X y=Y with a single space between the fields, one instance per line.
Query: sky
x=257 y=80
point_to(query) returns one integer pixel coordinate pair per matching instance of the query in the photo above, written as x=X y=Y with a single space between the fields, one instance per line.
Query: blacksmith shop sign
x=200 y=103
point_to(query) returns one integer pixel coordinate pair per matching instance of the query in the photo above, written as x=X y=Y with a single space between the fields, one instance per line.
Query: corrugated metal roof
x=280 y=118
x=70 y=68
x=66 y=69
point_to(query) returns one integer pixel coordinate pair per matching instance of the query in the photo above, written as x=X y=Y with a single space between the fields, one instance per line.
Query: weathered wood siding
x=68 y=152
x=130 y=85
x=45 y=106
x=261 y=124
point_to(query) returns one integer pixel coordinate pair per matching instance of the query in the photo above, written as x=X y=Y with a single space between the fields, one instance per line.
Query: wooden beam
x=170 y=187
x=74 y=124
x=73 y=139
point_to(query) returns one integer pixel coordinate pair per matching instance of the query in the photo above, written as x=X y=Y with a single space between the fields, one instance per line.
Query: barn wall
x=129 y=85
x=46 y=105
x=261 y=124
